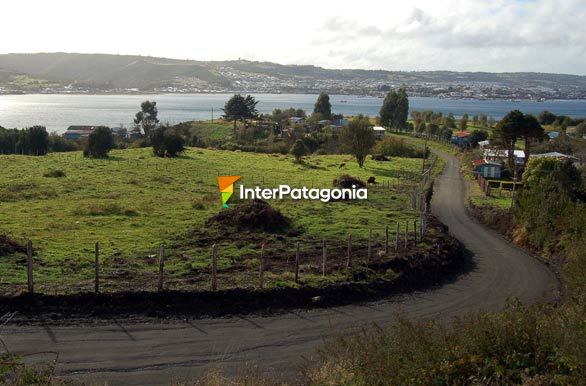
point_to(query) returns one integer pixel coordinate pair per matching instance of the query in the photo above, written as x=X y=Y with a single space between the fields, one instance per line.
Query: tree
x=146 y=119
x=298 y=150
x=478 y=136
x=167 y=142
x=464 y=122
x=546 y=117
x=323 y=106
x=100 y=142
x=514 y=126
x=239 y=108
x=531 y=130
x=581 y=129
x=395 y=110
x=508 y=131
x=358 y=138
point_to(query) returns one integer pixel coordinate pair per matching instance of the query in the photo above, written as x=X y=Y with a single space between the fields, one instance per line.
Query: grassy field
x=133 y=202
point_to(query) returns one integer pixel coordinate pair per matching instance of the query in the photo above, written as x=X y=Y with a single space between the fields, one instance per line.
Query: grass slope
x=134 y=202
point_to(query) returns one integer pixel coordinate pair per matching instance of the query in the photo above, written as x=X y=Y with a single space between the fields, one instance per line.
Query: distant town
x=51 y=74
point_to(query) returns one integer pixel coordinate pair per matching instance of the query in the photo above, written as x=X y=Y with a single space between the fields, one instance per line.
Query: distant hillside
x=96 y=72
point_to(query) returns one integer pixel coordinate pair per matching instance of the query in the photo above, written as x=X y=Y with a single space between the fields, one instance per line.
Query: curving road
x=157 y=353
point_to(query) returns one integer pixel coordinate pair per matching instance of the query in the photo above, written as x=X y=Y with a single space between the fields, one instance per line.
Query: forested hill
x=95 y=72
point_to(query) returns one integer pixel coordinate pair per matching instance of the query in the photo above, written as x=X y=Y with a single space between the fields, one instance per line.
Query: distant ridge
x=108 y=72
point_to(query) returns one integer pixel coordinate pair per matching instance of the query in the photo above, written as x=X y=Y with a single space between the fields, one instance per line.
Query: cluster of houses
x=493 y=159
x=336 y=125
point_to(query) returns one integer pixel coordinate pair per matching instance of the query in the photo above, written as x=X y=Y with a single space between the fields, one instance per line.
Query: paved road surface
x=155 y=353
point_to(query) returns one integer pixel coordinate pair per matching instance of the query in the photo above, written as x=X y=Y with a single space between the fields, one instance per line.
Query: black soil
x=9 y=246
x=346 y=181
x=255 y=215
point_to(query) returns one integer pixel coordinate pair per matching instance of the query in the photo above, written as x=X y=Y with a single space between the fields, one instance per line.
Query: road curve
x=157 y=353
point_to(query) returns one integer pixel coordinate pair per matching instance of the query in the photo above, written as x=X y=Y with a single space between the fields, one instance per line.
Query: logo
x=226 y=184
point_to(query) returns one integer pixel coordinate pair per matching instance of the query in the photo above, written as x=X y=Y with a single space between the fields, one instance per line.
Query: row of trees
x=31 y=141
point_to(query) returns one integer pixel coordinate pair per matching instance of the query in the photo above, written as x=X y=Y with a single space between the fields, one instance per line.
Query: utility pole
x=424 y=156
x=212 y=115
x=514 y=183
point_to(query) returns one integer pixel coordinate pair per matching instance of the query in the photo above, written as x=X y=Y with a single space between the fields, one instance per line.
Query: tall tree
x=387 y=110
x=514 y=126
x=402 y=111
x=323 y=106
x=239 y=108
x=531 y=130
x=508 y=131
x=358 y=138
x=146 y=119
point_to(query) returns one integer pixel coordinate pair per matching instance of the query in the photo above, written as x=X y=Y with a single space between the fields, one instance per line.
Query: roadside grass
x=133 y=202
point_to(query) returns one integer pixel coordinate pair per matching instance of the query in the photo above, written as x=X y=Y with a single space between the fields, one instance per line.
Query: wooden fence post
x=324 y=257
x=261 y=275
x=214 y=268
x=369 y=255
x=349 y=252
x=415 y=231
x=397 y=237
x=97 y=268
x=386 y=239
x=297 y=263
x=421 y=228
x=29 y=265
x=406 y=233
x=161 y=267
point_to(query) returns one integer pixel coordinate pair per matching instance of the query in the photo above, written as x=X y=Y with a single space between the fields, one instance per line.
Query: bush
x=396 y=147
x=58 y=144
x=167 y=142
x=52 y=173
x=99 y=143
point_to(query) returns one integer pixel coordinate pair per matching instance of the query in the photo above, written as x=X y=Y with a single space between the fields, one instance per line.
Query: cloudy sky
x=463 y=35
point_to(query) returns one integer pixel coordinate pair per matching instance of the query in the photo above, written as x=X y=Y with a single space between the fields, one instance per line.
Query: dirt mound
x=9 y=246
x=255 y=215
x=345 y=182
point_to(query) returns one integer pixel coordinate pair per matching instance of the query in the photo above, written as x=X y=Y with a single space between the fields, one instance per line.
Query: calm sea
x=57 y=112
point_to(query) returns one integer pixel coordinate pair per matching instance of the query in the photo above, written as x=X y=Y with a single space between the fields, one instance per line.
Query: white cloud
x=468 y=35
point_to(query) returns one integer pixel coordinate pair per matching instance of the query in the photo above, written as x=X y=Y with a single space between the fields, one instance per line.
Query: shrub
x=396 y=147
x=53 y=173
x=58 y=144
x=99 y=143
x=167 y=142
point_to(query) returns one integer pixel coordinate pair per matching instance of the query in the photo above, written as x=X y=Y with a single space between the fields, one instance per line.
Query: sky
x=459 y=35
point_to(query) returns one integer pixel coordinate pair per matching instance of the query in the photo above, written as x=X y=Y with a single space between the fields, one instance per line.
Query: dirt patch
x=9 y=246
x=255 y=215
x=346 y=181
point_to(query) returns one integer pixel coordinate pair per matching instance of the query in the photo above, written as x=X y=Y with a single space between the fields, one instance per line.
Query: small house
x=379 y=132
x=502 y=155
x=461 y=138
x=487 y=169
x=295 y=120
x=341 y=122
x=78 y=132
x=553 y=134
x=484 y=144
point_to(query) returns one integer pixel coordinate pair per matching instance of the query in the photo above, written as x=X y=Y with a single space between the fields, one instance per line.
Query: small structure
x=340 y=122
x=553 y=134
x=379 y=131
x=501 y=155
x=487 y=169
x=295 y=120
x=78 y=132
x=461 y=138
x=484 y=144
x=556 y=155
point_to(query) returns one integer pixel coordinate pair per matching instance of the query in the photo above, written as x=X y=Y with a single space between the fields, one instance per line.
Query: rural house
x=78 y=132
x=379 y=132
x=461 y=138
x=487 y=169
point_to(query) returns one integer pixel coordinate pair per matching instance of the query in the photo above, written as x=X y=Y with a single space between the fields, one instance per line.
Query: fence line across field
x=405 y=236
